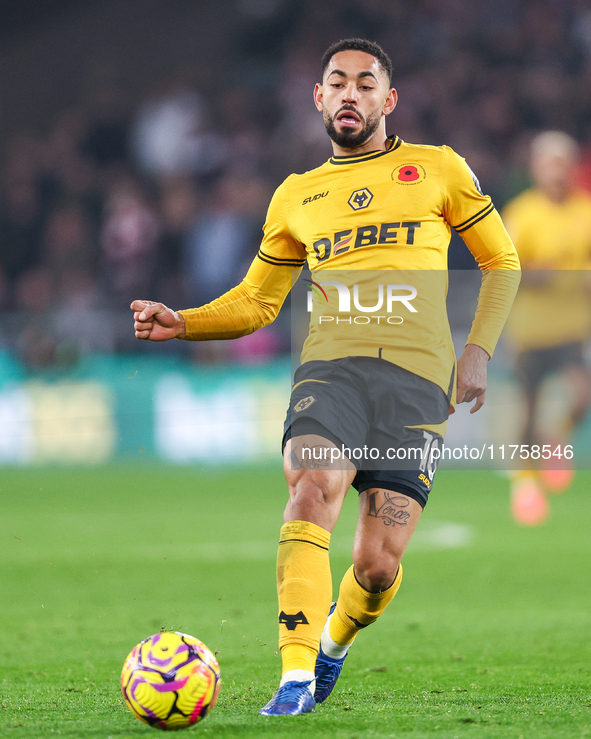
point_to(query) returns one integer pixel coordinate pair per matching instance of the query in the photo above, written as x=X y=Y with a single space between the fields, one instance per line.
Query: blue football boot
x=291 y=699
x=327 y=670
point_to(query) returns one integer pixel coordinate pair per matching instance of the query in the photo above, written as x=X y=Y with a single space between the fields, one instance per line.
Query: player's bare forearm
x=472 y=371
x=155 y=322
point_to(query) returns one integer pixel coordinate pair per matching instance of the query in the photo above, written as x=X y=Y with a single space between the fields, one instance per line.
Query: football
x=170 y=680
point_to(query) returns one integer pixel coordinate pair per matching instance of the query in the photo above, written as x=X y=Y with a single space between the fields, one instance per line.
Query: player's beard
x=347 y=138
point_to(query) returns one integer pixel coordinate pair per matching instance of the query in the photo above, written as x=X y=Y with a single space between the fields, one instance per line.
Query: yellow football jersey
x=553 y=306
x=384 y=210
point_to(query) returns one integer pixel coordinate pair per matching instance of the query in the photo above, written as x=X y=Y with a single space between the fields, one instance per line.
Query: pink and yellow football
x=170 y=680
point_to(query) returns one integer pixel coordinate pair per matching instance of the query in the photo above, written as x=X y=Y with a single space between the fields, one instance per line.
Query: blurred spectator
x=171 y=136
x=129 y=239
x=80 y=322
x=68 y=174
x=301 y=123
x=20 y=208
x=180 y=204
x=224 y=239
x=35 y=291
x=106 y=138
x=34 y=297
x=68 y=240
x=246 y=126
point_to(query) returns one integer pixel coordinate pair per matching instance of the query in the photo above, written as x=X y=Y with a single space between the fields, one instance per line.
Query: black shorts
x=534 y=366
x=386 y=418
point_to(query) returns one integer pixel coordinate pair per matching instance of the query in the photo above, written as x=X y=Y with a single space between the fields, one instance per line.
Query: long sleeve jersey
x=388 y=211
x=554 y=239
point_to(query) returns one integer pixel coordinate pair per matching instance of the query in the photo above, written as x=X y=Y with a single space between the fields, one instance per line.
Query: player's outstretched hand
x=156 y=322
x=472 y=366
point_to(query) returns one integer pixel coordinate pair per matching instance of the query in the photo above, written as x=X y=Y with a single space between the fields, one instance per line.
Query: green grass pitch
x=488 y=637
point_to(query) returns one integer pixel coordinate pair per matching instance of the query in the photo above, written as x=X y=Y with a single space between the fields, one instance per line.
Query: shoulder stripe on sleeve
x=475 y=218
x=280 y=259
x=281 y=262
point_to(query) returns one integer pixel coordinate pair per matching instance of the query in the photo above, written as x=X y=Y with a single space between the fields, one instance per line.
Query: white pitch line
x=430 y=536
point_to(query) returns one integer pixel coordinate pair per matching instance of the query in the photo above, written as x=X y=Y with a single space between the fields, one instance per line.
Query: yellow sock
x=304 y=588
x=357 y=607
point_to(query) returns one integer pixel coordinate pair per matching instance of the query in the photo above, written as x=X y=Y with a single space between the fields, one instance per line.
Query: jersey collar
x=354 y=158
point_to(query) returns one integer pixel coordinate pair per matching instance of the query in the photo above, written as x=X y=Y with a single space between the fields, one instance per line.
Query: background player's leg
x=579 y=381
x=557 y=474
x=317 y=489
x=529 y=504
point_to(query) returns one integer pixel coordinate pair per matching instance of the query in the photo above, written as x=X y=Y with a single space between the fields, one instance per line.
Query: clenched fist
x=156 y=322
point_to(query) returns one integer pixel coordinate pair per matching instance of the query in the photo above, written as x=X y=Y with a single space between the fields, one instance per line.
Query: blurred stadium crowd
x=161 y=192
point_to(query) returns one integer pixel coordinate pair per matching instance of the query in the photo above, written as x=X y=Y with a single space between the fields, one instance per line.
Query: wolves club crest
x=304 y=403
x=292 y=620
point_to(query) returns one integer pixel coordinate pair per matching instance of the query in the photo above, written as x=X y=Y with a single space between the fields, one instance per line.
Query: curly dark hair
x=359 y=44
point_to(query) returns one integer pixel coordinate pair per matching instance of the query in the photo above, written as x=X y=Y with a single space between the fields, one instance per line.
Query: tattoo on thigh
x=389 y=507
x=309 y=457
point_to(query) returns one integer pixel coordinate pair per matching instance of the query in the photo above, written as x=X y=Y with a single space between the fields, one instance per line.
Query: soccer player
x=551 y=227
x=377 y=204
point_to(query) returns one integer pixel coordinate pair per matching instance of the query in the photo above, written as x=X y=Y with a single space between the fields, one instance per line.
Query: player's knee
x=376 y=576
x=312 y=490
x=316 y=498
